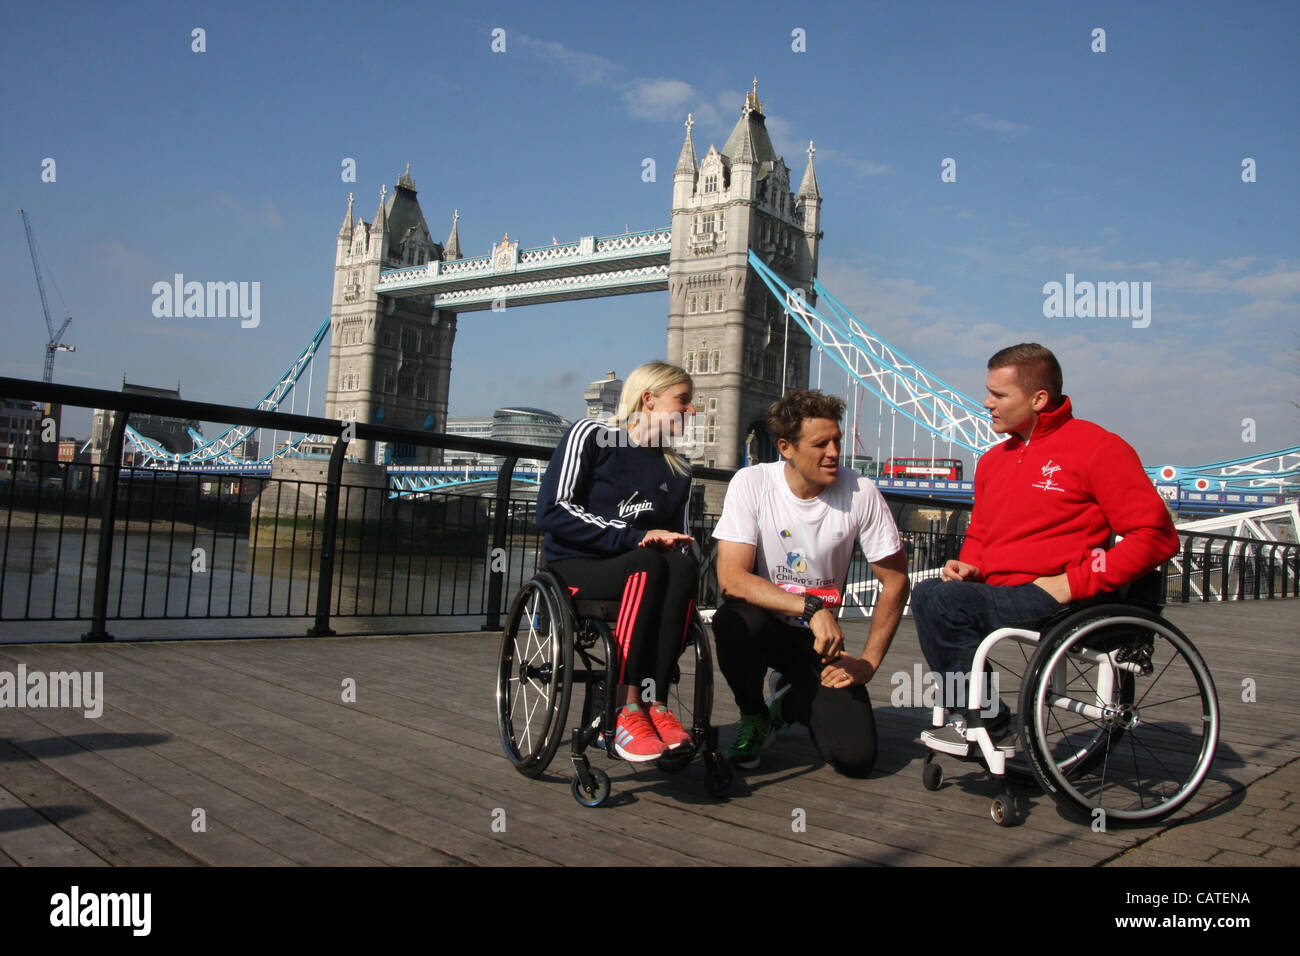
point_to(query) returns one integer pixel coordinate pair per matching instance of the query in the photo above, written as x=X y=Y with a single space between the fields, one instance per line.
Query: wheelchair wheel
x=597 y=794
x=1119 y=712
x=535 y=675
x=931 y=772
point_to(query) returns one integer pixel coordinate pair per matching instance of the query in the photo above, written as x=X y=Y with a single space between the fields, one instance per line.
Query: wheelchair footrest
x=951 y=748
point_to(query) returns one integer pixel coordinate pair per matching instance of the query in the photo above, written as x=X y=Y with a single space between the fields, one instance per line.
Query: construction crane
x=55 y=337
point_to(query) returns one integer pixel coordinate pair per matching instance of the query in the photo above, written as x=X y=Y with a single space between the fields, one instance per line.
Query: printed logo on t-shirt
x=1049 y=472
x=796 y=561
x=627 y=508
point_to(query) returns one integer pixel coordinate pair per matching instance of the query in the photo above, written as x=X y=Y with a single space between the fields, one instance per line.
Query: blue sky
x=1115 y=166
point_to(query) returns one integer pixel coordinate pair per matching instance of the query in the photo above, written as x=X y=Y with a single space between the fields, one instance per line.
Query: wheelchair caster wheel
x=1005 y=810
x=599 y=791
x=931 y=774
x=719 y=779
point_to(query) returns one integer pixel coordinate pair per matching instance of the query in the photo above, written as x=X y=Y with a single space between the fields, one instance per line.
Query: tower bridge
x=746 y=313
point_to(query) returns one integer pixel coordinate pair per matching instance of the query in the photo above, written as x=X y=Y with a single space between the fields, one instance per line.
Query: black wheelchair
x=1119 y=718
x=547 y=636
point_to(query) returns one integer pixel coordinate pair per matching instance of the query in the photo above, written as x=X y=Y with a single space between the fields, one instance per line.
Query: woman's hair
x=652 y=377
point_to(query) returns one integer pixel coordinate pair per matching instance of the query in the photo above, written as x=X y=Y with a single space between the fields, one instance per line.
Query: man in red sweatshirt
x=1047 y=501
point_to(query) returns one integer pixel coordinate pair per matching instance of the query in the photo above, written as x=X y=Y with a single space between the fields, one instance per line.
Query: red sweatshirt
x=1043 y=506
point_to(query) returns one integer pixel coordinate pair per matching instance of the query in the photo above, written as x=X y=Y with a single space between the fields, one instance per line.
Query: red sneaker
x=669 y=728
x=634 y=736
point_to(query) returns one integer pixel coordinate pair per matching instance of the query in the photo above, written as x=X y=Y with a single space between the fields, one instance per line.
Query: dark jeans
x=750 y=640
x=953 y=617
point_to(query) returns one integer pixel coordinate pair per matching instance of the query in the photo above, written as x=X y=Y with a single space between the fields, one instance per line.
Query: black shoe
x=1001 y=730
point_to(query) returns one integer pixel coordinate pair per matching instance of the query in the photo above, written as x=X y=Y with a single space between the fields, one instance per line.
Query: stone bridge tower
x=724 y=326
x=390 y=358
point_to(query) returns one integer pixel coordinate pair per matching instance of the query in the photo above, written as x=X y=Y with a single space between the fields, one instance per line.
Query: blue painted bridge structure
x=638 y=262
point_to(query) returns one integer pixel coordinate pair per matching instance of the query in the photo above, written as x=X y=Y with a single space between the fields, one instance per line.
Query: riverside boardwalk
x=252 y=740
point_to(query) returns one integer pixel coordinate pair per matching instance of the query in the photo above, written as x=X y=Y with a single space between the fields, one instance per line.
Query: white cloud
x=1274 y=285
x=587 y=69
x=658 y=99
x=1006 y=127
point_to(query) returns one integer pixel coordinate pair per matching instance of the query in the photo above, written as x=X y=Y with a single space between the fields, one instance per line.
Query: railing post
x=1205 y=570
x=1187 y=571
x=325 y=585
x=107 y=517
x=496 y=579
x=1226 y=575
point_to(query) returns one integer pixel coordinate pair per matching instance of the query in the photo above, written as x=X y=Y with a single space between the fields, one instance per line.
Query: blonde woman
x=609 y=497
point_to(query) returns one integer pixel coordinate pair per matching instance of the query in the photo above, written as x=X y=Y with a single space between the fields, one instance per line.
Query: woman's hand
x=664 y=540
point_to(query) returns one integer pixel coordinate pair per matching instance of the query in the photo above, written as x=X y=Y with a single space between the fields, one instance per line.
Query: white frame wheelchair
x=1118 y=713
x=547 y=635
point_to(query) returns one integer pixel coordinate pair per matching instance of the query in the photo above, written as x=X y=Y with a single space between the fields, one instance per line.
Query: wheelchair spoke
x=1080 y=675
x=1183 y=733
x=1137 y=740
x=1155 y=680
x=1085 y=722
x=1171 y=700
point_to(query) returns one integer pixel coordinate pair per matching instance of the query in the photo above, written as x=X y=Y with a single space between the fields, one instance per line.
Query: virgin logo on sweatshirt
x=1049 y=472
x=626 y=508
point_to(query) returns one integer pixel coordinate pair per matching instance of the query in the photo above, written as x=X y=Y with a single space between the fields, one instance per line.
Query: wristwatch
x=811 y=605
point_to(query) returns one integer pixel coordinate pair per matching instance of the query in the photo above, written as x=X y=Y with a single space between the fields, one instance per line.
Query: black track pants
x=750 y=640
x=657 y=593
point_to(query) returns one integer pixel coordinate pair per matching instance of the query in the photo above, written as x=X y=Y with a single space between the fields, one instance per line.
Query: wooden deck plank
x=136 y=797
x=294 y=759
x=412 y=771
x=481 y=801
x=80 y=814
x=28 y=837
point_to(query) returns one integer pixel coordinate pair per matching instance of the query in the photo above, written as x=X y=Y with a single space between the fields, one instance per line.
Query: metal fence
x=100 y=543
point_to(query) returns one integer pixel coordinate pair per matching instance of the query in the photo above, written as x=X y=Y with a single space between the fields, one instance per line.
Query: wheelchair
x=1119 y=717
x=551 y=642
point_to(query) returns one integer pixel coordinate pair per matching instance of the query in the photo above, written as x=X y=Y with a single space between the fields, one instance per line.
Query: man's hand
x=846 y=670
x=956 y=570
x=1058 y=586
x=664 y=540
x=828 y=639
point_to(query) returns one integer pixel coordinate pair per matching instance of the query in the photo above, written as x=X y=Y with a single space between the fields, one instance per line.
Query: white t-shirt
x=806 y=542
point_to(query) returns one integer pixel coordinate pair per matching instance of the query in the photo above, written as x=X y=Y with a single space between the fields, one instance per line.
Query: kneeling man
x=784 y=542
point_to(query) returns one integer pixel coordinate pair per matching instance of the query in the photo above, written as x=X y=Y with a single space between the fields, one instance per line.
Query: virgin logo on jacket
x=1049 y=471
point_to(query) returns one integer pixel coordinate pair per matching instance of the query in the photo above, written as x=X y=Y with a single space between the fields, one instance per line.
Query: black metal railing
x=100 y=542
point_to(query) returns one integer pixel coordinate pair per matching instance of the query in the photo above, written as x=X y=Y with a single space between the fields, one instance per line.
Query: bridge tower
x=724 y=327
x=390 y=358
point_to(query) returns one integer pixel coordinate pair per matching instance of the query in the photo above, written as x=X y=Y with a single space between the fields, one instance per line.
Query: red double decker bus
x=928 y=469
